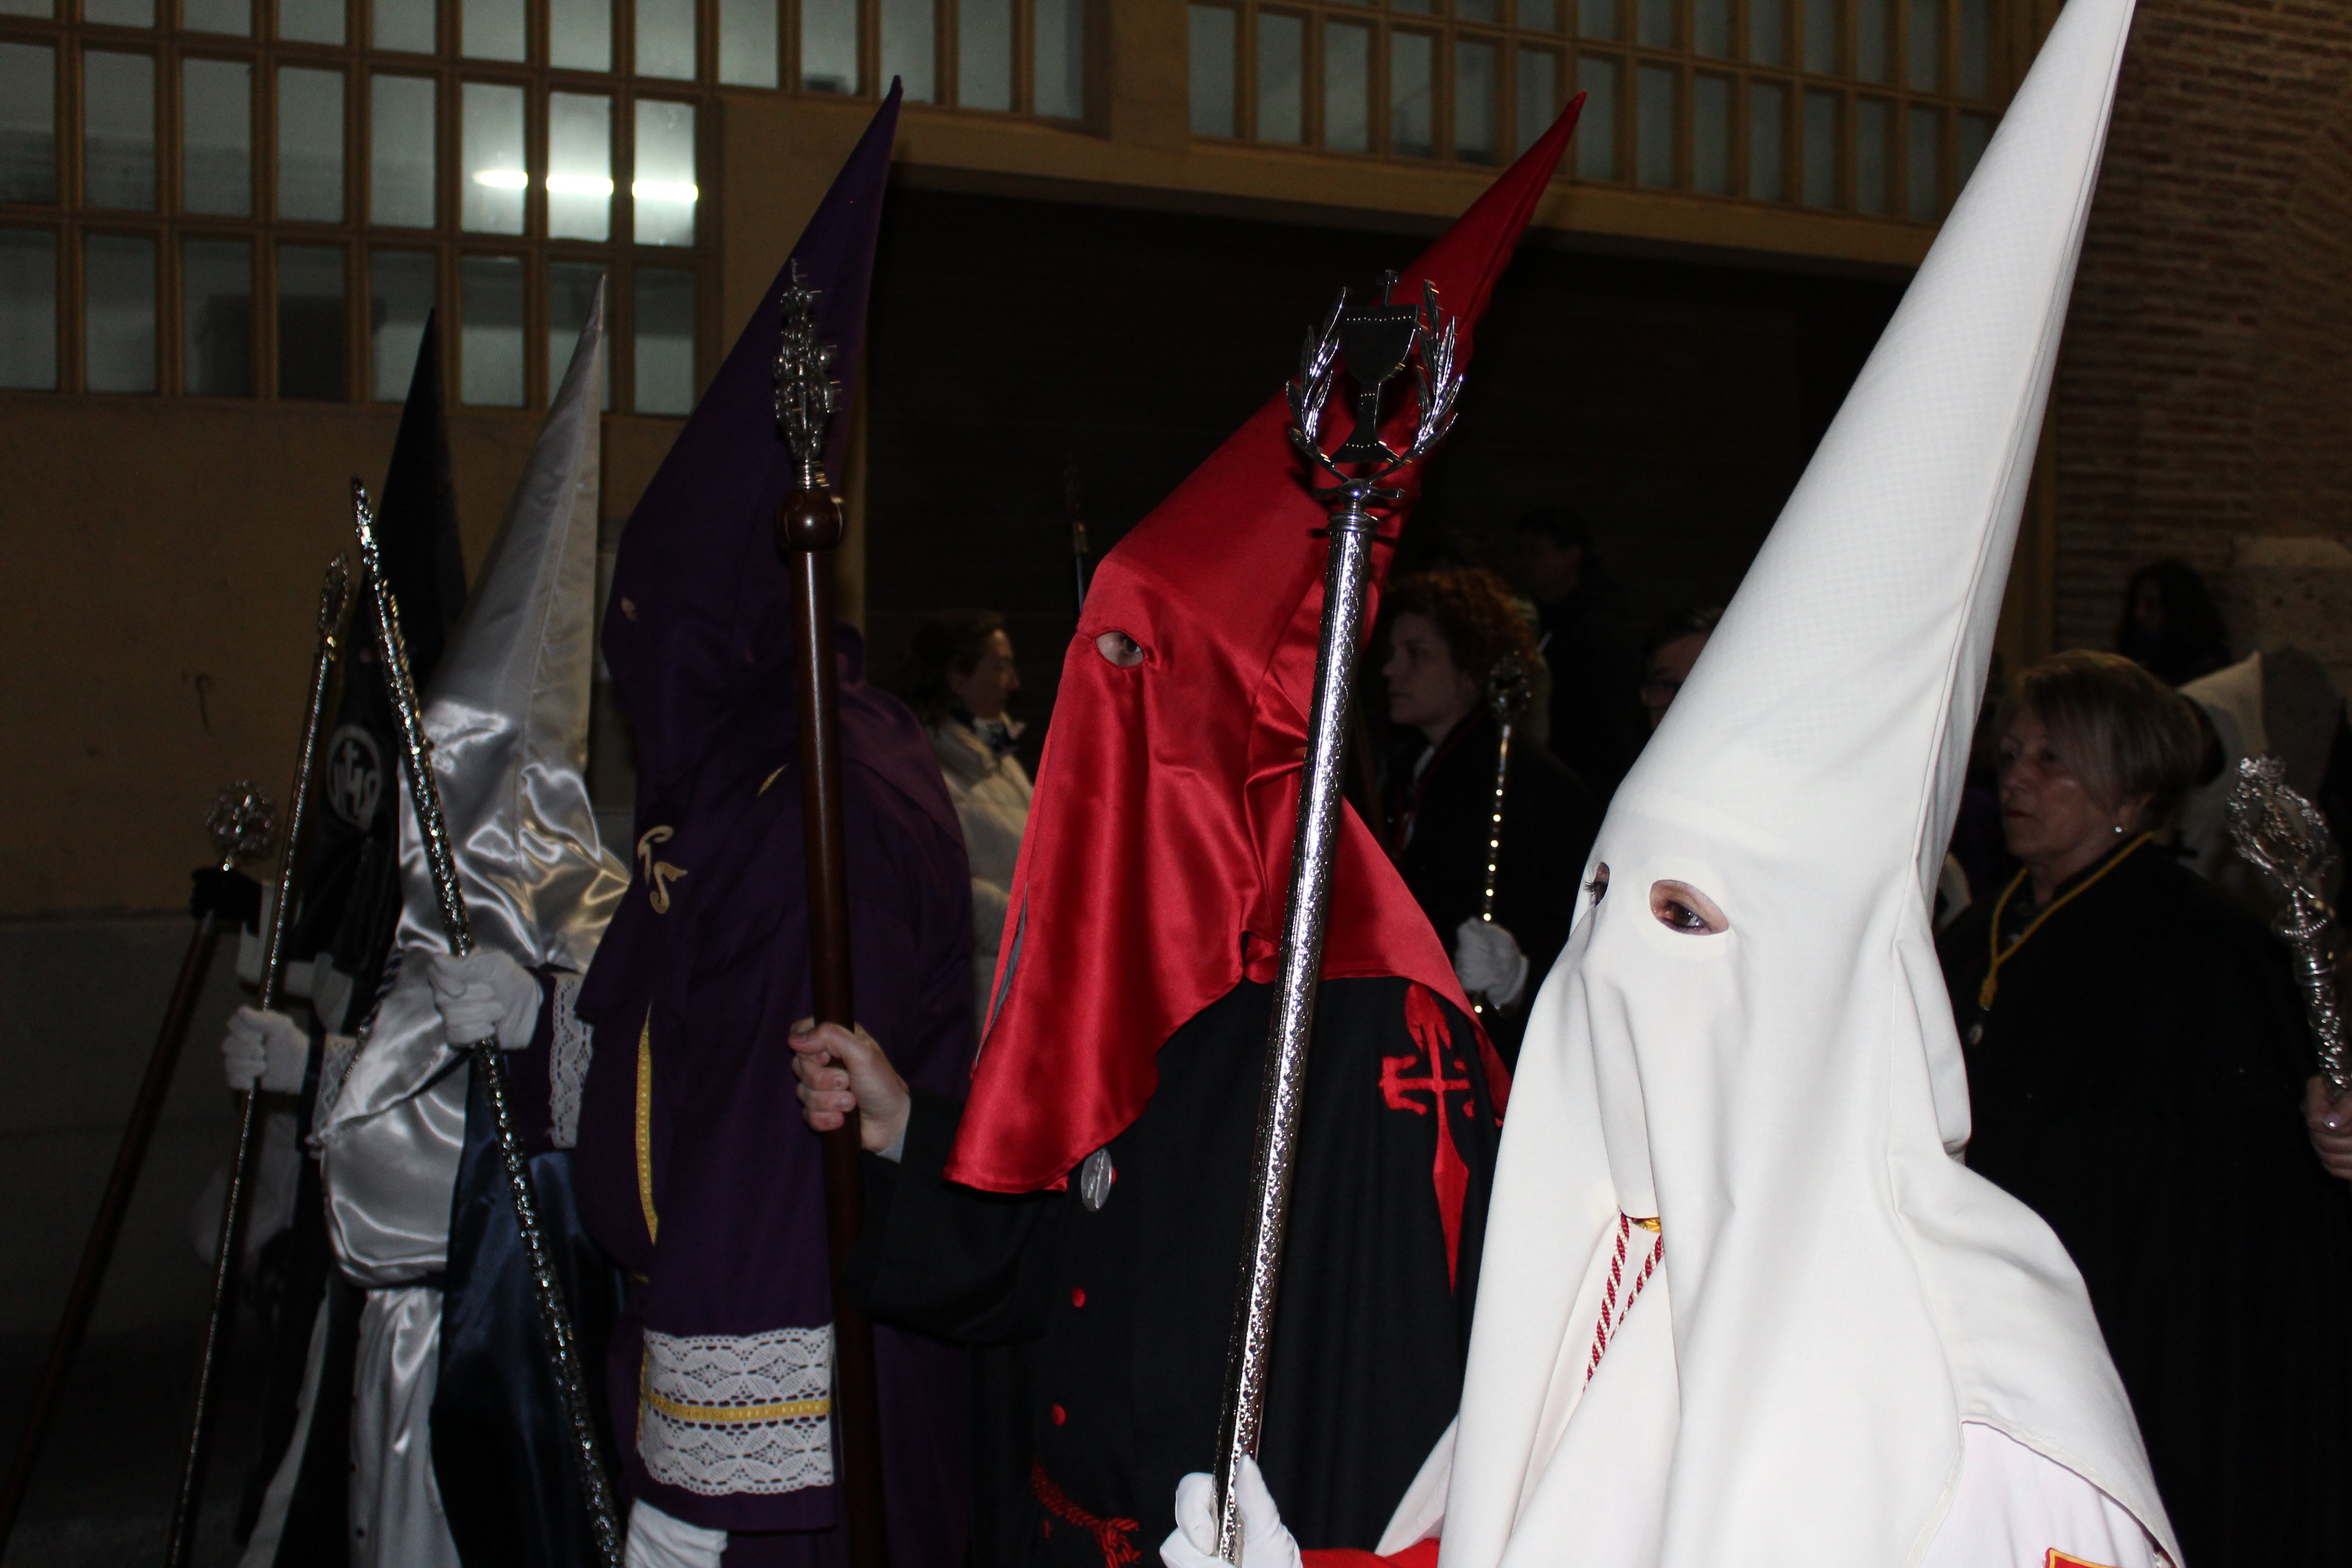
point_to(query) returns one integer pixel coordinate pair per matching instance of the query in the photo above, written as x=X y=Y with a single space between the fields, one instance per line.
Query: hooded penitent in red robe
x=1129 y=1017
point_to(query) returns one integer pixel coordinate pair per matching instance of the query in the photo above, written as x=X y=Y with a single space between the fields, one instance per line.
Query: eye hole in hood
x=1679 y=907
x=1120 y=649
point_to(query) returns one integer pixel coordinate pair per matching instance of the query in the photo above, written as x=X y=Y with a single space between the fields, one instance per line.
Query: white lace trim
x=336 y=1054
x=575 y=1042
x=719 y=1415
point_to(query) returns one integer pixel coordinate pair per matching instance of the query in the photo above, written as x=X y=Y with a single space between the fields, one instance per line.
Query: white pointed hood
x=1838 y=1293
x=506 y=714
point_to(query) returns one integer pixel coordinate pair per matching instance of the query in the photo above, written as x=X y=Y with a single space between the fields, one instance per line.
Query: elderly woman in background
x=2140 y=1074
x=960 y=680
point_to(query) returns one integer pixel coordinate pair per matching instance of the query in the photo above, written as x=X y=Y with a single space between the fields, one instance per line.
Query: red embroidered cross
x=1448 y=1175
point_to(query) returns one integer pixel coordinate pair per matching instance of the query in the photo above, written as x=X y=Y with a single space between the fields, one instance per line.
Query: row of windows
x=531 y=159
x=999 y=55
x=183 y=318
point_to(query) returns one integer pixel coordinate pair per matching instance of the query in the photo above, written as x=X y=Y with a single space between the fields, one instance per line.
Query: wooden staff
x=809 y=527
x=334 y=599
x=240 y=825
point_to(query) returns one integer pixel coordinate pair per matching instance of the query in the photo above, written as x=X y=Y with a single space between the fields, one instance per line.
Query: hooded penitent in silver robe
x=506 y=714
x=1833 y=1295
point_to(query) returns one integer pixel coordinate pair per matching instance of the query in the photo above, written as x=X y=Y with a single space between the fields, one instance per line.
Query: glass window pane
x=1541 y=13
x=1422 y=7
x=1538 y=103
x=42 y=8
x=829 y=47
x=234 y=18
x=399 y=150
x=309 y=144
x=580 y=35
x=1767 y=36
x=216 y=318
x=665 y=342
x=1873 y=129
x=1473 y=100
x=1596 y=19
x=310 y=21
x=1655 y=146
x=311 y=322
x=1596 y=128
x=491 y=167
x=400 y=298
x=665 y=38
x=118 y=147
x=984 y=54
x=1655 y=23
x=579 y=166
x=1413 y=119
x=28 y=309
x=1281 y=77
x=407 y=25
x=910 y=36
x=489 y=362
x=118 y=286
x=1926 y=44
x=1975 y=47
x=217 y=137
x=1822 y=37
x=664 y=186
x=28 y=125
x=1060 y=76
x=493 y=30
x=1919 y=156
x=1347 y=86
x=1210 y=58
x=747 y=42
x=1820 y=148
x=570 y=292
x=1766 y=125
x=1711 y=27
x=118 y=13
x=1711 y=135
x=1478 y=10
x=1873 y=40
x=1976 y=129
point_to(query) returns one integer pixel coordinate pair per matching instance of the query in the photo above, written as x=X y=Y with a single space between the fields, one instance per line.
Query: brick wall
x=2205 y=390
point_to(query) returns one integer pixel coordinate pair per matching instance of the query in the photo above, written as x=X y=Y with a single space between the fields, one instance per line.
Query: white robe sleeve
x=2015 y=1508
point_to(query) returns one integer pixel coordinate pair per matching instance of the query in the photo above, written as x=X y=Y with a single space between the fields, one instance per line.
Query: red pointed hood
x=1158 y=853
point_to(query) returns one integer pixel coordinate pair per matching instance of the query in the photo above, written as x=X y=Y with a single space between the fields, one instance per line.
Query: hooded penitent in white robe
x=1838 y=1347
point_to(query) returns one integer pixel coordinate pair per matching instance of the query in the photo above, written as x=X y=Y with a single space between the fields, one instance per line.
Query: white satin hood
x=1838 y=1293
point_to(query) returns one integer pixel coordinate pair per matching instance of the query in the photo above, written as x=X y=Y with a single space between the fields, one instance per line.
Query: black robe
x=1103 y=1332
x=2138 y=1081
x=1439 y=824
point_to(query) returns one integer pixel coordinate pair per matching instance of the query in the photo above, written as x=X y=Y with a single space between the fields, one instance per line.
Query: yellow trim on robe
x=646 y=1127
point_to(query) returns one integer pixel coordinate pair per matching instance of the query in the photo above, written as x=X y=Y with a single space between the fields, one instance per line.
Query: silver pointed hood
x=1780 y=1089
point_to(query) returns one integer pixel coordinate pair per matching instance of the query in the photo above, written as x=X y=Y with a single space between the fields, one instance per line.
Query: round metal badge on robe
x=1095 y=1179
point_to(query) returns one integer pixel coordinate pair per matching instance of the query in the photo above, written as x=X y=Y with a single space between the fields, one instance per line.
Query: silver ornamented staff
x=2284 y=836
x=334 y=603
x=1374 y=344
x=1506 y=697
x=489 y=1064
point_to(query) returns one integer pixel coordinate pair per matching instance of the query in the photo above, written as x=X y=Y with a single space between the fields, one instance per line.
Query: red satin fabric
x=1157 y=858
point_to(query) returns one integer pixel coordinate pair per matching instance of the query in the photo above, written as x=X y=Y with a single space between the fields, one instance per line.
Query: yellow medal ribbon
x=2000 y=955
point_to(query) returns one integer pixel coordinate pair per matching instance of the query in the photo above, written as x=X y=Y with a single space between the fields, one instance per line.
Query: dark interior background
x=1672 y=403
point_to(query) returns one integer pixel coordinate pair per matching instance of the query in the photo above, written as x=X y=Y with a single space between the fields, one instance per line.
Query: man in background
x=1596 y=723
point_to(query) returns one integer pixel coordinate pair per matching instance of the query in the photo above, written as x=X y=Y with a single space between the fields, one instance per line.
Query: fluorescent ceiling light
x=501 y=179
x=663 y=191
x=578 y=185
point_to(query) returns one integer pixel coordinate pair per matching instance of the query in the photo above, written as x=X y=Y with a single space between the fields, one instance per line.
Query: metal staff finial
x=489 y=1064
x=242 y=824
x=805 y=390
x=2284 y=836
x=1374 y=344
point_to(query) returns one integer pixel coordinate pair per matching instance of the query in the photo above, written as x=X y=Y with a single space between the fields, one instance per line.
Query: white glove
x=484 y=993
x=658 y=1541
x=264 y=1048
x=1266 y=1541
x=1488 y=963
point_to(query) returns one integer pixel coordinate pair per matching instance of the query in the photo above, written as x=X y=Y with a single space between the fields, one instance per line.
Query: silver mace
x=1373 y=344
x=2284 y=836
x=489 y=1064
x=334 y=604
x=1506 y=697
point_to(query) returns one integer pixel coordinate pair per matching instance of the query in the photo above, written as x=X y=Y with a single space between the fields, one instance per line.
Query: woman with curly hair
x=1447 y=632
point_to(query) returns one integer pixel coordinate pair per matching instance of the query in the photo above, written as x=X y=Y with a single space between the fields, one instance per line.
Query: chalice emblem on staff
x=1374 y=346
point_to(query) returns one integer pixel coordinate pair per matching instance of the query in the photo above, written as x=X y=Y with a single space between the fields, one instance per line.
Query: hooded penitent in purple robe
x=695 y=1169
